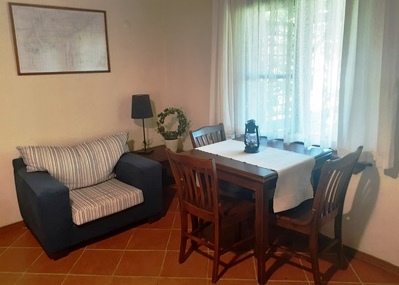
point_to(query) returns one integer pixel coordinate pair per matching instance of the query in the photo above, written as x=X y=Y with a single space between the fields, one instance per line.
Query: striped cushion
x=77 y=166
x=103 y=199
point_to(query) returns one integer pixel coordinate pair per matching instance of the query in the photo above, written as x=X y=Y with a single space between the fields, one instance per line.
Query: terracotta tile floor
x=147 y=255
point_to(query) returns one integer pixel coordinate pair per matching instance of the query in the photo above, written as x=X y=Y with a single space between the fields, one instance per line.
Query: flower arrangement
x=175 y=116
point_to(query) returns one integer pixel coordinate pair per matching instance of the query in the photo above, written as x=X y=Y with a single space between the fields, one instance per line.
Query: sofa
x=69 y=196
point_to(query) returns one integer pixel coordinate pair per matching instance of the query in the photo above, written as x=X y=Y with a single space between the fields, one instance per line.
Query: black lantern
x=251 y=138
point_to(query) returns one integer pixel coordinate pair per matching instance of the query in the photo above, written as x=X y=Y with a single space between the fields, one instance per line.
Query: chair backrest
x=208 y=135
x=197 y=185
x=333 y=184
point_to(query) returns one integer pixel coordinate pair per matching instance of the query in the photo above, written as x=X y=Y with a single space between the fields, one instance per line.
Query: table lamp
x=141 y=109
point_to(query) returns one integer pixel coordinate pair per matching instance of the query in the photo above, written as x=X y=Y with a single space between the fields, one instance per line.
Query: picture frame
x=59 y=40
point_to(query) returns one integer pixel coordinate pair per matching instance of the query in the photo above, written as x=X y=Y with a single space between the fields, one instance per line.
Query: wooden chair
x=327 y=206
x=210 y=212
x=208 y=135
x=211 y=134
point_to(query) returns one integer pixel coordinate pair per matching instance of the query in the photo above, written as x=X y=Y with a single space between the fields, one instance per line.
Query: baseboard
x=384 y=265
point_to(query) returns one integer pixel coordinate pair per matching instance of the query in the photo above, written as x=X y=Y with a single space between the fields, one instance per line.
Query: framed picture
x=51 y=40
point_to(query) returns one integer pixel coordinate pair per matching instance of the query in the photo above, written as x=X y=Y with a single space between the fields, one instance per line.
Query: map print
x=60 y=40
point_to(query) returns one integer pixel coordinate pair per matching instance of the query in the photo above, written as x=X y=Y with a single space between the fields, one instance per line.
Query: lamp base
x=144 y=151
x=249 y=149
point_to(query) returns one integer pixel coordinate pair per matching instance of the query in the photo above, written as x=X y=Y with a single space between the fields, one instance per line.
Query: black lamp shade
x=141 y=106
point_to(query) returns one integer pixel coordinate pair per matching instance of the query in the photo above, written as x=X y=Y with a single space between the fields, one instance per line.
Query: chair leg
x=183 y=245
x=216 y=255
x=313 y=246
x=195 y=224
x=238 y=232
x=183 y=238
x=338 y=238
x=341 y=257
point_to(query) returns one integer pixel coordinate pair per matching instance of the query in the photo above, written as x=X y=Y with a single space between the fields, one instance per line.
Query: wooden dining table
x=262 y=182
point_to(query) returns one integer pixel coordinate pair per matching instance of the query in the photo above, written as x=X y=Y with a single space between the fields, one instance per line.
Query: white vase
x=172 y=144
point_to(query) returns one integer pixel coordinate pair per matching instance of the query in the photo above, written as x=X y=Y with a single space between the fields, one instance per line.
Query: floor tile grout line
x=360 y=282
x=22 y=234
x=123 y=254
x=353 y=269
x=304 y=271
x=33 y=262
x=164 y=255
x=74 y=264
x=166 y=250
x=166 y=247
x=255 y=263
x=36 y=259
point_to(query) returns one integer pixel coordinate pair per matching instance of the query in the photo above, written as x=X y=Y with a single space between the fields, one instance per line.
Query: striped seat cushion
x=103 y=199
x=77 y=166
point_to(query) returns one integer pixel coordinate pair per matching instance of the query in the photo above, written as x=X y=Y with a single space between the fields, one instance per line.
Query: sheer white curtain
x=370 y=79
x=278 y=62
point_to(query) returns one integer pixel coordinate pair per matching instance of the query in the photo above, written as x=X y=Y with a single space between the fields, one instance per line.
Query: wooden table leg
x=261 y=231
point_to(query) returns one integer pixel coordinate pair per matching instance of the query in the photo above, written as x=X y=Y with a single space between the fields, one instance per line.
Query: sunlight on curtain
x=370 y=75
x=281 y=65
x=278 y=62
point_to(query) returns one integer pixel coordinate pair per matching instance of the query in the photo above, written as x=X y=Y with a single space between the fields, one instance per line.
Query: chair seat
x=234 y=210
x=300 y=215
x=235 y=191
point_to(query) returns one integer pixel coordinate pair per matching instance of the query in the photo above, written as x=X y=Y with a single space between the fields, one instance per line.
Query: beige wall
x=162 y=48
x=371 y=215
x=156 y=47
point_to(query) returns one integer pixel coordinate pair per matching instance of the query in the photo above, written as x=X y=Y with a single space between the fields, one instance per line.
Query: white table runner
x=294 y=170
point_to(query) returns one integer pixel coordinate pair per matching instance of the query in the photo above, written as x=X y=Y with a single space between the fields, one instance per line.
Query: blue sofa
x=45 y=204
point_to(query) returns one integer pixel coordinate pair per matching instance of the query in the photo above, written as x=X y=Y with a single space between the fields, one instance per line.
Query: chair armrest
x=45 y=207
x=143 y=173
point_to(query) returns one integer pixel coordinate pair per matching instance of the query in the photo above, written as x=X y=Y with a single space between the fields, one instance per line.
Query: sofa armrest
x=45 y=207
x=145 y=174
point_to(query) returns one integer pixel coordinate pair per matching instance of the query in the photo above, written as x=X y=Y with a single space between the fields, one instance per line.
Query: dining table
x=260 y=179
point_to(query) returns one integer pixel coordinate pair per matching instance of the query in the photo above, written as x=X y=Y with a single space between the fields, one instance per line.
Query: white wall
x=162 y=48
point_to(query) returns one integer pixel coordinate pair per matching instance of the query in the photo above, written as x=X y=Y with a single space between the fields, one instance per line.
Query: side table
x=158 y=154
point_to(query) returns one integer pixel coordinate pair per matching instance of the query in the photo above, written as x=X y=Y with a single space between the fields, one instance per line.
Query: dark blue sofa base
x=45 y=207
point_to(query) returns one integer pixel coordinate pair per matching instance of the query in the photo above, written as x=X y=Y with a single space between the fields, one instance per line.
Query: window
x=273 y=80
x=304 y=72
x=285 y=57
